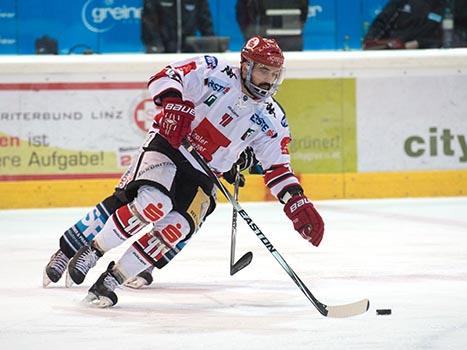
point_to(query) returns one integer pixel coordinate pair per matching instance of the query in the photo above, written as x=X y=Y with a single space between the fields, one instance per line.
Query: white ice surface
x=408 y=255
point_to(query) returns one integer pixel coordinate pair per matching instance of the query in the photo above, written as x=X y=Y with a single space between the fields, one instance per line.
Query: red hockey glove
x=176 y=121
x=305 y=218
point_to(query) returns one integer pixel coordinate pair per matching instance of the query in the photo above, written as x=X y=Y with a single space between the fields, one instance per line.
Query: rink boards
x=364 y=125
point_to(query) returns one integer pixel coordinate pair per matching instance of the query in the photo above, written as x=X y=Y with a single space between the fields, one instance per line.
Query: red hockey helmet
x=262 y=50
x=266 y=52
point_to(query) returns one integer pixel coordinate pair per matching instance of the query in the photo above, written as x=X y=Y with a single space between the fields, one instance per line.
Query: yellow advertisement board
x=322 y=119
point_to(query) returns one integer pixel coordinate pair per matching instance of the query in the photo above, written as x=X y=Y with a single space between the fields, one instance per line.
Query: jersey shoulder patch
x=211 y=61
x=221 y=67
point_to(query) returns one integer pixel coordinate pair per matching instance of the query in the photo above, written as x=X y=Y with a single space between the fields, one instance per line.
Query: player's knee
x=151 y=203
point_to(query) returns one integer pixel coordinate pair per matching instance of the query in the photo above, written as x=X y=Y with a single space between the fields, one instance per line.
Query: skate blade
x=45 y=280
x=136 y=283
x=68 y=281
x=101 y=302
x=89 y=298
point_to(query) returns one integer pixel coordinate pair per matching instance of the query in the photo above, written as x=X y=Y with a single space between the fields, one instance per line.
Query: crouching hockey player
x=221 y=110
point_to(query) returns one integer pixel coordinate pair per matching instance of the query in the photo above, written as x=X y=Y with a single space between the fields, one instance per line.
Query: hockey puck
x=383 y=311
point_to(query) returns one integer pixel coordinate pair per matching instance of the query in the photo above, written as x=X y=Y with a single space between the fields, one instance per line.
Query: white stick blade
x=348 y=310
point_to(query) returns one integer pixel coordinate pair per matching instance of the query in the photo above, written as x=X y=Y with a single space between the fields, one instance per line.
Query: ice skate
x=55 y=268
x=81 y=263
x=144 y=278
x=102 y=294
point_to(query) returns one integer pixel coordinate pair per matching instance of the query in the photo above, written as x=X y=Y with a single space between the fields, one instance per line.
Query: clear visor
x=269 y=79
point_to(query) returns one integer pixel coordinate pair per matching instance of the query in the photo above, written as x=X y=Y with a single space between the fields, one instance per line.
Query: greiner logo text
x=437 y=142
x=101 y=15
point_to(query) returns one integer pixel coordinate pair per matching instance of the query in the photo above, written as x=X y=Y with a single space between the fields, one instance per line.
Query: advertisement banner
x=8 y=27
x=104 y=26
x=79 y=26
x=57 y=130
x=321 y=115
x=410 y=123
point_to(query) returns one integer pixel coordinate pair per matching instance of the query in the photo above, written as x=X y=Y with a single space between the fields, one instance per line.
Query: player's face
x=265 y=76
x=259 y=80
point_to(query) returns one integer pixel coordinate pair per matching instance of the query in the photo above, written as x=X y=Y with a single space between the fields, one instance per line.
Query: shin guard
x=157 y=247
x=150 y=205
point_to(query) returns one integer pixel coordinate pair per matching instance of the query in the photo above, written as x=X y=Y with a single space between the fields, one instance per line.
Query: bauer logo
x=100 y=16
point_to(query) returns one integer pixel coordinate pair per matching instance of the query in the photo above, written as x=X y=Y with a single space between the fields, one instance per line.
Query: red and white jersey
x=227 y=120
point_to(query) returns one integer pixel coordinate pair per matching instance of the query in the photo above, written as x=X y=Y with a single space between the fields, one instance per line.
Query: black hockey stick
x=245 y=260
x=345 y=310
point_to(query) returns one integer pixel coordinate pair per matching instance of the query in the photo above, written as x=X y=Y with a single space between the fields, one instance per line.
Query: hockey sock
x=84 y=230
x=91 y=224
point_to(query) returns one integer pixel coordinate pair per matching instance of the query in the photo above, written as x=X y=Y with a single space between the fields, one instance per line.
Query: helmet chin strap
x=247 y=91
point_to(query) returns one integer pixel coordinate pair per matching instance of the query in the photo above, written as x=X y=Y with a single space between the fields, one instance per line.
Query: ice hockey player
x=220 y=110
